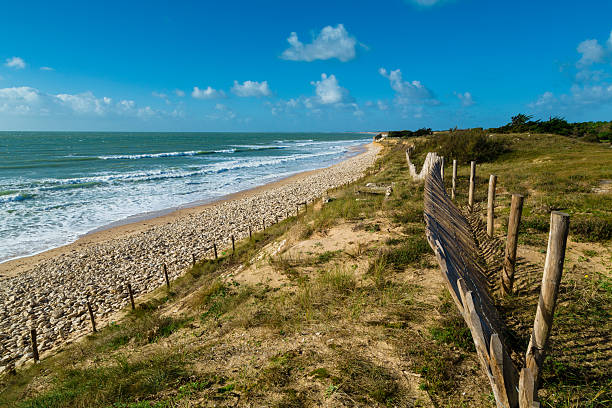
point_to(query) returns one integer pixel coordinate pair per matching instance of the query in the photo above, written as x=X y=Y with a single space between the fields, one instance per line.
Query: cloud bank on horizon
x=418 y=69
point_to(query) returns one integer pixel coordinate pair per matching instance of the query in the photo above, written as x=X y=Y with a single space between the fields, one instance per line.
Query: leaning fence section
x=455 y=244
x=452 y=240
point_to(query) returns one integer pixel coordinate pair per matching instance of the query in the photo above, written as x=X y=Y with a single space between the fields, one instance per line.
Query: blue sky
x=308 y=66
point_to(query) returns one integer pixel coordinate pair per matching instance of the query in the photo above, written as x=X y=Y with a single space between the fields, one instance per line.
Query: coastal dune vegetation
x=344 y=305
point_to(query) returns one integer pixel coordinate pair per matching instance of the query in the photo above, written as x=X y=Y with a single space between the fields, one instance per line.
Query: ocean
x=57 y=186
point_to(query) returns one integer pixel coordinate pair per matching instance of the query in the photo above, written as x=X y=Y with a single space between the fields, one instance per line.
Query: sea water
x=57 y=186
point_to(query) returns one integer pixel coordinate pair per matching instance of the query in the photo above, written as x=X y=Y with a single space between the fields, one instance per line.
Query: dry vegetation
x=344 y=306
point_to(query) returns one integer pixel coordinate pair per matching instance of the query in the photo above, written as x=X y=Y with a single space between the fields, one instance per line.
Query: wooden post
x=91 y=316
x=263 y=223
x=233 y=245
x=215 y=248
x=306 y=206
x=442 y=168
x=297 y=210
x=193 y=260
x=34 y=345
x=491 y=205
x=166 y=276
x=527 y=389
x=250 y=233
x=553 y=269
x=454 y=186
x=472 y=181
x=514 y=221
x=131 y=296
x=277 y=218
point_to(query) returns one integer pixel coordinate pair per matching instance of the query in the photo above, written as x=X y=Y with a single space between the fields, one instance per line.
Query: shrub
x=467 y=145
x=409 y=133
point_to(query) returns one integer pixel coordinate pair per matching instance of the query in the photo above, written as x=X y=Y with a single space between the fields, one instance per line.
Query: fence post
x=250 y=233
x=553 y=269
x=491 y=205
x=91 y=316
x=215 y=249
x=442 y=168
x=527 y=389
x=454 y=186
x=166 y=276
x=233 y=245
x=34 y=344
x=193 y=259
x=514 y=221
x=472 y=181
x=263 y=223
x=131 y=296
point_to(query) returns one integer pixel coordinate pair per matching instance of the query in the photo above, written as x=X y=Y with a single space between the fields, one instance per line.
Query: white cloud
x=146 y=112
x=328 y=90
x=546 y=100
x=31 y=101
x=85 y=102
x=331 y=42
x=15 y=62
x=22 y=93
x=329 y=95
x=408 y=93
x=18 y=100
x=379 y=104
x=579 y=98
x=47 y=69
x=465 y=98
x=251 y=88
x=208 y=93
x=126 y=105
x=159 y=95
x=591 y=52
x=222 y=112
x=179 y=93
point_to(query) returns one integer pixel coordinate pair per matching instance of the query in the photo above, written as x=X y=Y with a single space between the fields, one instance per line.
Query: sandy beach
x=48 y=291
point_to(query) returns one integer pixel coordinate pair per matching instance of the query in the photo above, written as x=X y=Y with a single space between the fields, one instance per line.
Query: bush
x=468 y=145
x=588 y=131
x=409 y=133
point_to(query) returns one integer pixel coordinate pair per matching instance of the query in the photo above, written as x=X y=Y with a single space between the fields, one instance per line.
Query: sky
x=301 y=66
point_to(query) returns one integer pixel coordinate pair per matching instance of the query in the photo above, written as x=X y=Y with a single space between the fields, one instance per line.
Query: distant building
x=380 y=136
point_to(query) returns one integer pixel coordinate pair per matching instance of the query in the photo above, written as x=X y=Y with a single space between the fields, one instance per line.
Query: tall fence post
x=514 y=222
x=553 y=269
x=472 y=181
x=215 y=249
x=491 y=205
x=166 y=276
x=91 y=316
x=193 y=259
x=34 y=344
x=442 y=168
x=454 y=185
x=233 y=245
x=131 y=296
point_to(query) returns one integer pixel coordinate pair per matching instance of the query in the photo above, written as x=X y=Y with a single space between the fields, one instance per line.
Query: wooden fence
x=453 y=240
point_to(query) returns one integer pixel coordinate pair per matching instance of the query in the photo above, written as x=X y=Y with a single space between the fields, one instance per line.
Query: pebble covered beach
x=51 y=295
